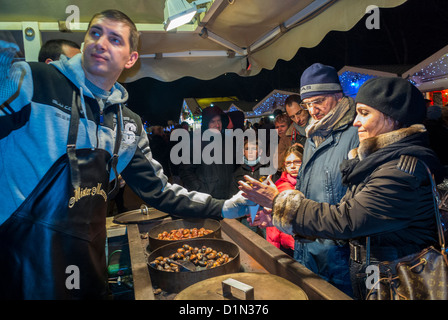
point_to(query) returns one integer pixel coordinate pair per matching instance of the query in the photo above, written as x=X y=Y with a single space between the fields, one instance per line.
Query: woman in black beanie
x=387 y=200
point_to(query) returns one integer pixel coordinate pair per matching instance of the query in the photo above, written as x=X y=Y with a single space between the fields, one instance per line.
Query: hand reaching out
x=262 y=193
x=263 y=219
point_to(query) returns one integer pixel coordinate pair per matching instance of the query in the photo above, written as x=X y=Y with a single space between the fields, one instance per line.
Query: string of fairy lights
x=433 y=71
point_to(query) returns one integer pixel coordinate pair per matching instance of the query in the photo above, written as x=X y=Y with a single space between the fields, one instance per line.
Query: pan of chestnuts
x=176 y=266
x=182 y=229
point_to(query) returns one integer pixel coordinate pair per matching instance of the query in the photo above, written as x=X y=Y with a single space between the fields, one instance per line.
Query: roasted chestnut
x=205 y=257
x=183 y=233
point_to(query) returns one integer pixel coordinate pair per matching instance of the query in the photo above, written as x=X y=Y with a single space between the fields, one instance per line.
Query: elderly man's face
x=319 y=106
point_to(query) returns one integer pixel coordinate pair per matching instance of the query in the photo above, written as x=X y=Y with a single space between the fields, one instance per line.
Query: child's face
x=292 y=164
x=281 y=128
x=250 y=151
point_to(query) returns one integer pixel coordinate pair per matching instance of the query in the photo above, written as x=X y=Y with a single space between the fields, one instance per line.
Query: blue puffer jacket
x=320 y=179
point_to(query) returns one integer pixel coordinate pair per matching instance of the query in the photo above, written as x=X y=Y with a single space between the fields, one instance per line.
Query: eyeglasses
x=313 y=104
x=296 y=163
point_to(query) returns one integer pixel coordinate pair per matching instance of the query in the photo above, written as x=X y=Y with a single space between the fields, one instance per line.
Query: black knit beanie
x=395 y=97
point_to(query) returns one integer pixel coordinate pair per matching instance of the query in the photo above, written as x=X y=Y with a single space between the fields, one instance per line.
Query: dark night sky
x=408 y=34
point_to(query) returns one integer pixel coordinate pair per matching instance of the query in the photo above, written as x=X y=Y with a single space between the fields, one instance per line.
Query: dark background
x=407 y=35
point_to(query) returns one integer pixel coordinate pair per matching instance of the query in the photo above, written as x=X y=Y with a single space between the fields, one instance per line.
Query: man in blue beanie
x=330 y=137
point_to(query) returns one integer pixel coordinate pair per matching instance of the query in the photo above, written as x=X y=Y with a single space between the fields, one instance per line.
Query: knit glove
x=238 y=206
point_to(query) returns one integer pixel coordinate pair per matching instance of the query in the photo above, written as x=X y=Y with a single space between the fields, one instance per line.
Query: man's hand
x=262 y=193
x=237 y=206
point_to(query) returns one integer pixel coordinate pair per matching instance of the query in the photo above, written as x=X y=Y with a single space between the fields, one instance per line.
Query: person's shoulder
x=127 y=112
x=42 y=68
x=43 y=73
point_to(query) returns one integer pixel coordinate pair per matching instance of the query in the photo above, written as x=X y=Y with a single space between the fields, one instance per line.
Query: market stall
x=191 y=111
x=274 y=100
x=431 y=77
x=239 y=36
x=352 y=77
x=257 y=257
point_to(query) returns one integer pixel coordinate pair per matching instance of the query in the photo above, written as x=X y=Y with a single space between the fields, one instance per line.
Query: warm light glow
x=180 y=19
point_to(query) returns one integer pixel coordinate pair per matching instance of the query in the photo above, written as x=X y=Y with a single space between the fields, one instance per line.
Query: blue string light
x=352 y=81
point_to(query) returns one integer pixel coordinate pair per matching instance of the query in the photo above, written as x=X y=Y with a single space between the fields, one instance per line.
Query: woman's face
x=281 y=128
x=292 y=164
x=371 y=122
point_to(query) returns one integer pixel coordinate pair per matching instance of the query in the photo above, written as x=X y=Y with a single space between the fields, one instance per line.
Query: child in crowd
x=250 y=167
x=291 y=163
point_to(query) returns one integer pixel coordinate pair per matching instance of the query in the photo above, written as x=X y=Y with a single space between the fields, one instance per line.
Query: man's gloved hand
x=237 y=206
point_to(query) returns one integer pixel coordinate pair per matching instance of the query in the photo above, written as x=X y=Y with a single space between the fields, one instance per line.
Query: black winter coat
x=241 y=171
x=214 y=179
x=394 y=207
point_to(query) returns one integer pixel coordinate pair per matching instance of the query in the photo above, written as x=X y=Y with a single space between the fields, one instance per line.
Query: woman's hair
x=397 y=125
x=117 y=15
x=294 y=149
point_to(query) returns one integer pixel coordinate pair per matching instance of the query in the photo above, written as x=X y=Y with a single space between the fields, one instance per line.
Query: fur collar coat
x=386 y=200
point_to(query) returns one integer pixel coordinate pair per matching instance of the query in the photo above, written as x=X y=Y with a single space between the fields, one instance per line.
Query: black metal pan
x=174 y=282
x=153 y=233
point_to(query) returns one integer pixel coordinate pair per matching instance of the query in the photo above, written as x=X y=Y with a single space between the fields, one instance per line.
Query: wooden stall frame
x=268 y=256
x=142 y=281
x=279 y=263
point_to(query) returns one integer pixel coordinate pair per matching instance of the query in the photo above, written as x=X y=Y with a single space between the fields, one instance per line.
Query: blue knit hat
x=319 y=79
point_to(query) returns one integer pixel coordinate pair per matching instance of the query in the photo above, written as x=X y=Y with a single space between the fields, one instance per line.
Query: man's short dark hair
x=52 y=49
x=293 y=98
x=117 y=15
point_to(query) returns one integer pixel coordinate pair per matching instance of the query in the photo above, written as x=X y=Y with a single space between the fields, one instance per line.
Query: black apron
x=53 y=246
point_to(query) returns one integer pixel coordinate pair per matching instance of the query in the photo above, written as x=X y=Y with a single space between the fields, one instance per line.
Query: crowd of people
x=316 y=133
x=349 y=169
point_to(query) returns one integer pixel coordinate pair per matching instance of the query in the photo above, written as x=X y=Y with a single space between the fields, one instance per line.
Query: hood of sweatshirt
x=72 y=69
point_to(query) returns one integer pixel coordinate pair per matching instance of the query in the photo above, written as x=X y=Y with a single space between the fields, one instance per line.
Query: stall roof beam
x=56 y=26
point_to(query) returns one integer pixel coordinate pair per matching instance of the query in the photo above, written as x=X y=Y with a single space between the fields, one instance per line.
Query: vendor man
x=64 y=134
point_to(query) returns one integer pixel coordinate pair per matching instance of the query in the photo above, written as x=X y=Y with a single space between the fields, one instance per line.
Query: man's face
x=297 y=114
x=319 y=106
x=215 y=123
x=107 y=51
